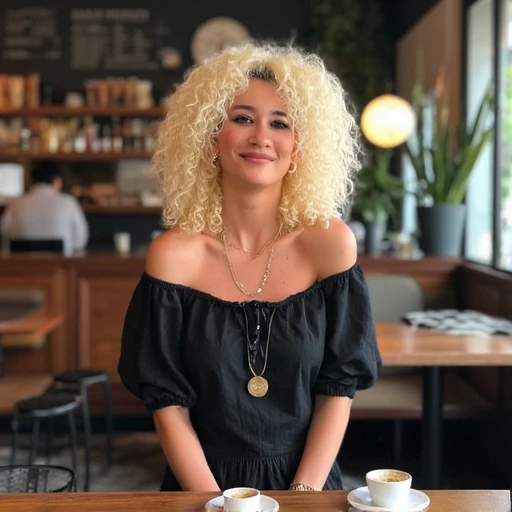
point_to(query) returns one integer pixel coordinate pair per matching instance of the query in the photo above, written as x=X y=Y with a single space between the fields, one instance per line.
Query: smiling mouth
x=257 y=159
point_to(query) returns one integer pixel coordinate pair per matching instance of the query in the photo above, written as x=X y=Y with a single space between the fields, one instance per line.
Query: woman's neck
x=251 y=220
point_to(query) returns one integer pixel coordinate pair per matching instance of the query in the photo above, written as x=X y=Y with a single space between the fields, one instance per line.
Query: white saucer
x=415 y=502
x=267 y=503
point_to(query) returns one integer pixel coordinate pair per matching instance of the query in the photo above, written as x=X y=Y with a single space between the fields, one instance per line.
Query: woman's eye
x=280 y=125
x=242 y=119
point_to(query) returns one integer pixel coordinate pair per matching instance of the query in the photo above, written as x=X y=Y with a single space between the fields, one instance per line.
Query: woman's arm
x=182 y=449
x=326 y=431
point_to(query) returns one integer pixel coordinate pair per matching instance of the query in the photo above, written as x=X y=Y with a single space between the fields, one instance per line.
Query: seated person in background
x=44 y=212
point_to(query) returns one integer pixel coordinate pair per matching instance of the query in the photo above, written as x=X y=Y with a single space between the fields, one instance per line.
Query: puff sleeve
x=151 y=365
x=351 y=356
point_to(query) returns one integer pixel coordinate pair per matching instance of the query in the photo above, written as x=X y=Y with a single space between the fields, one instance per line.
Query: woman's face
x=256 y=142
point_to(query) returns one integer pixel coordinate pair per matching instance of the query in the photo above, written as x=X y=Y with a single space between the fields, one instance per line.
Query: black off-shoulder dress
x=184 y=347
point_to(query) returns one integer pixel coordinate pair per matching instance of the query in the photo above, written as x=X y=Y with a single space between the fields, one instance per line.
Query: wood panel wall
x=49 y=277
x=490 y=291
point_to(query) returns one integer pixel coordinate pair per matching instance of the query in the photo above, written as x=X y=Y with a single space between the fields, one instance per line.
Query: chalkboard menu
x=31 y=34
x=100 y=38
x=70 y=42
x=115 y=39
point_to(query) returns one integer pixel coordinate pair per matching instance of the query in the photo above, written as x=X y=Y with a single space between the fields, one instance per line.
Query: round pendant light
x=387 y=121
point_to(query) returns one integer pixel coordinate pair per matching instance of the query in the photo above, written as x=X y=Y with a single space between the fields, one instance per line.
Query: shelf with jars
x=77 y=138
x=113 y=198
x=113 y=119
x=25 y=95
x=104 y=136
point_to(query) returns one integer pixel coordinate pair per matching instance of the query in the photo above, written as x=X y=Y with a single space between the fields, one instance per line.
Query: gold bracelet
x=301 y=487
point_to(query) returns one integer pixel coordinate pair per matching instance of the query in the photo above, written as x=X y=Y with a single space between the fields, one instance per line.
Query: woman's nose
x=260 y=137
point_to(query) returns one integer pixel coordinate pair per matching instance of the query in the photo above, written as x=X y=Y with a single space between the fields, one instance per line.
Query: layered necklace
x=264 y=279
x=257 y=385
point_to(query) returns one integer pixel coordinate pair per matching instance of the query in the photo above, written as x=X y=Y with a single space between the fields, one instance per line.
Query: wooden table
x=329 y=501
x=402 y=345
x=27 y=330
x=24 y=332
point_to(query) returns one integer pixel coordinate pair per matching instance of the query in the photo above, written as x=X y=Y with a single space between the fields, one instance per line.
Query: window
x=504 y=259
x=479 y=74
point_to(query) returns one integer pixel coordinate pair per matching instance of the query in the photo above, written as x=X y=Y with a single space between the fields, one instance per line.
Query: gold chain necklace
x=263 y=248
x=258 y=385
x=263 y=282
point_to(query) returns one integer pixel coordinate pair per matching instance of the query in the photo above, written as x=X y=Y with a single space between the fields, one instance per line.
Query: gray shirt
x=44 y=213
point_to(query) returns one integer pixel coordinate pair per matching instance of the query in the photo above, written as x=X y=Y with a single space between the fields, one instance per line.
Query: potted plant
x=443 y=161
x=376 y=194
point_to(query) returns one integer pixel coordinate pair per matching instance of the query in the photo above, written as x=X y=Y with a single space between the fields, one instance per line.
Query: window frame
x=499 y=29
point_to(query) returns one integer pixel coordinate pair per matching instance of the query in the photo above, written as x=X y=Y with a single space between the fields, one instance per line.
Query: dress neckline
x=254 y=302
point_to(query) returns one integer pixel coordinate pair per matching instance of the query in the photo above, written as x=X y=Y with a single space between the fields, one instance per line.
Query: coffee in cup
x=388 y=487
x=241 y=499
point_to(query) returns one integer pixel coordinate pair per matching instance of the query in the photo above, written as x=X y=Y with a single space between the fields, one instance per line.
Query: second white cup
x=241 y=499
x=388 y=487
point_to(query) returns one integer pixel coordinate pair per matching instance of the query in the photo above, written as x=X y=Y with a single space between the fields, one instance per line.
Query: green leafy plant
x=444 y=160
x=376 y=190
x=351 y=37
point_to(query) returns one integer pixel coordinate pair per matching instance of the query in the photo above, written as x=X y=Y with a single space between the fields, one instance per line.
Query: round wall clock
x=214 y=35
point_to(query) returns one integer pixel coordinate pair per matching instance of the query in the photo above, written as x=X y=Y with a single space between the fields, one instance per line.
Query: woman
x=250 y=329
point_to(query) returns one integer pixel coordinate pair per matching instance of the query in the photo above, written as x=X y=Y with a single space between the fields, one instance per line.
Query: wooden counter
x=92 y=292
x=328 y=501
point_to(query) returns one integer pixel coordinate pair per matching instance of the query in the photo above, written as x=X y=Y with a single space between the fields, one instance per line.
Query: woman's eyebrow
x=250 y=108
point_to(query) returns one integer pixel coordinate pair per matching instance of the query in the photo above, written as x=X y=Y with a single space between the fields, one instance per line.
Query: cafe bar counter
x=328 y=501
x=92 y=292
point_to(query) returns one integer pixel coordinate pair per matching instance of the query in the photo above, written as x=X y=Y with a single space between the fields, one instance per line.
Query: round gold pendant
x=257 y=387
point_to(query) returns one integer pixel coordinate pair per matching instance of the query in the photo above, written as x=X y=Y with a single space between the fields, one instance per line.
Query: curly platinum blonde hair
x=326 y=135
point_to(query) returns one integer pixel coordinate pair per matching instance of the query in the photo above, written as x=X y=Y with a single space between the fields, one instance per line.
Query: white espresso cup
x=388 y=487
x=122 y=242
x=241 y=499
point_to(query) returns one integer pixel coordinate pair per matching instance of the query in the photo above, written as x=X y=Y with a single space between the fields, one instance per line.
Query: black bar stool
x=44 y=407
x=78 y=381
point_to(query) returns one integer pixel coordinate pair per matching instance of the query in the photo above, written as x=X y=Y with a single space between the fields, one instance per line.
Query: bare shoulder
x=174 y=256
x=331 y=250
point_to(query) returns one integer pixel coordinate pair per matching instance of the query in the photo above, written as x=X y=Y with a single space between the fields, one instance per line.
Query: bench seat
x=401 y=397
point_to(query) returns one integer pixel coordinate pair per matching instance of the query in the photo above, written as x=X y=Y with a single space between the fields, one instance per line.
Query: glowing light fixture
x=387 y=121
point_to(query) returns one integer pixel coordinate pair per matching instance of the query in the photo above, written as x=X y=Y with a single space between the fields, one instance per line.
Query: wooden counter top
x=329 y=501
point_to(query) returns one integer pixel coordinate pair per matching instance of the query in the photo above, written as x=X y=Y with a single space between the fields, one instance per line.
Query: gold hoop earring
x=293 y=168
x=215 y=161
